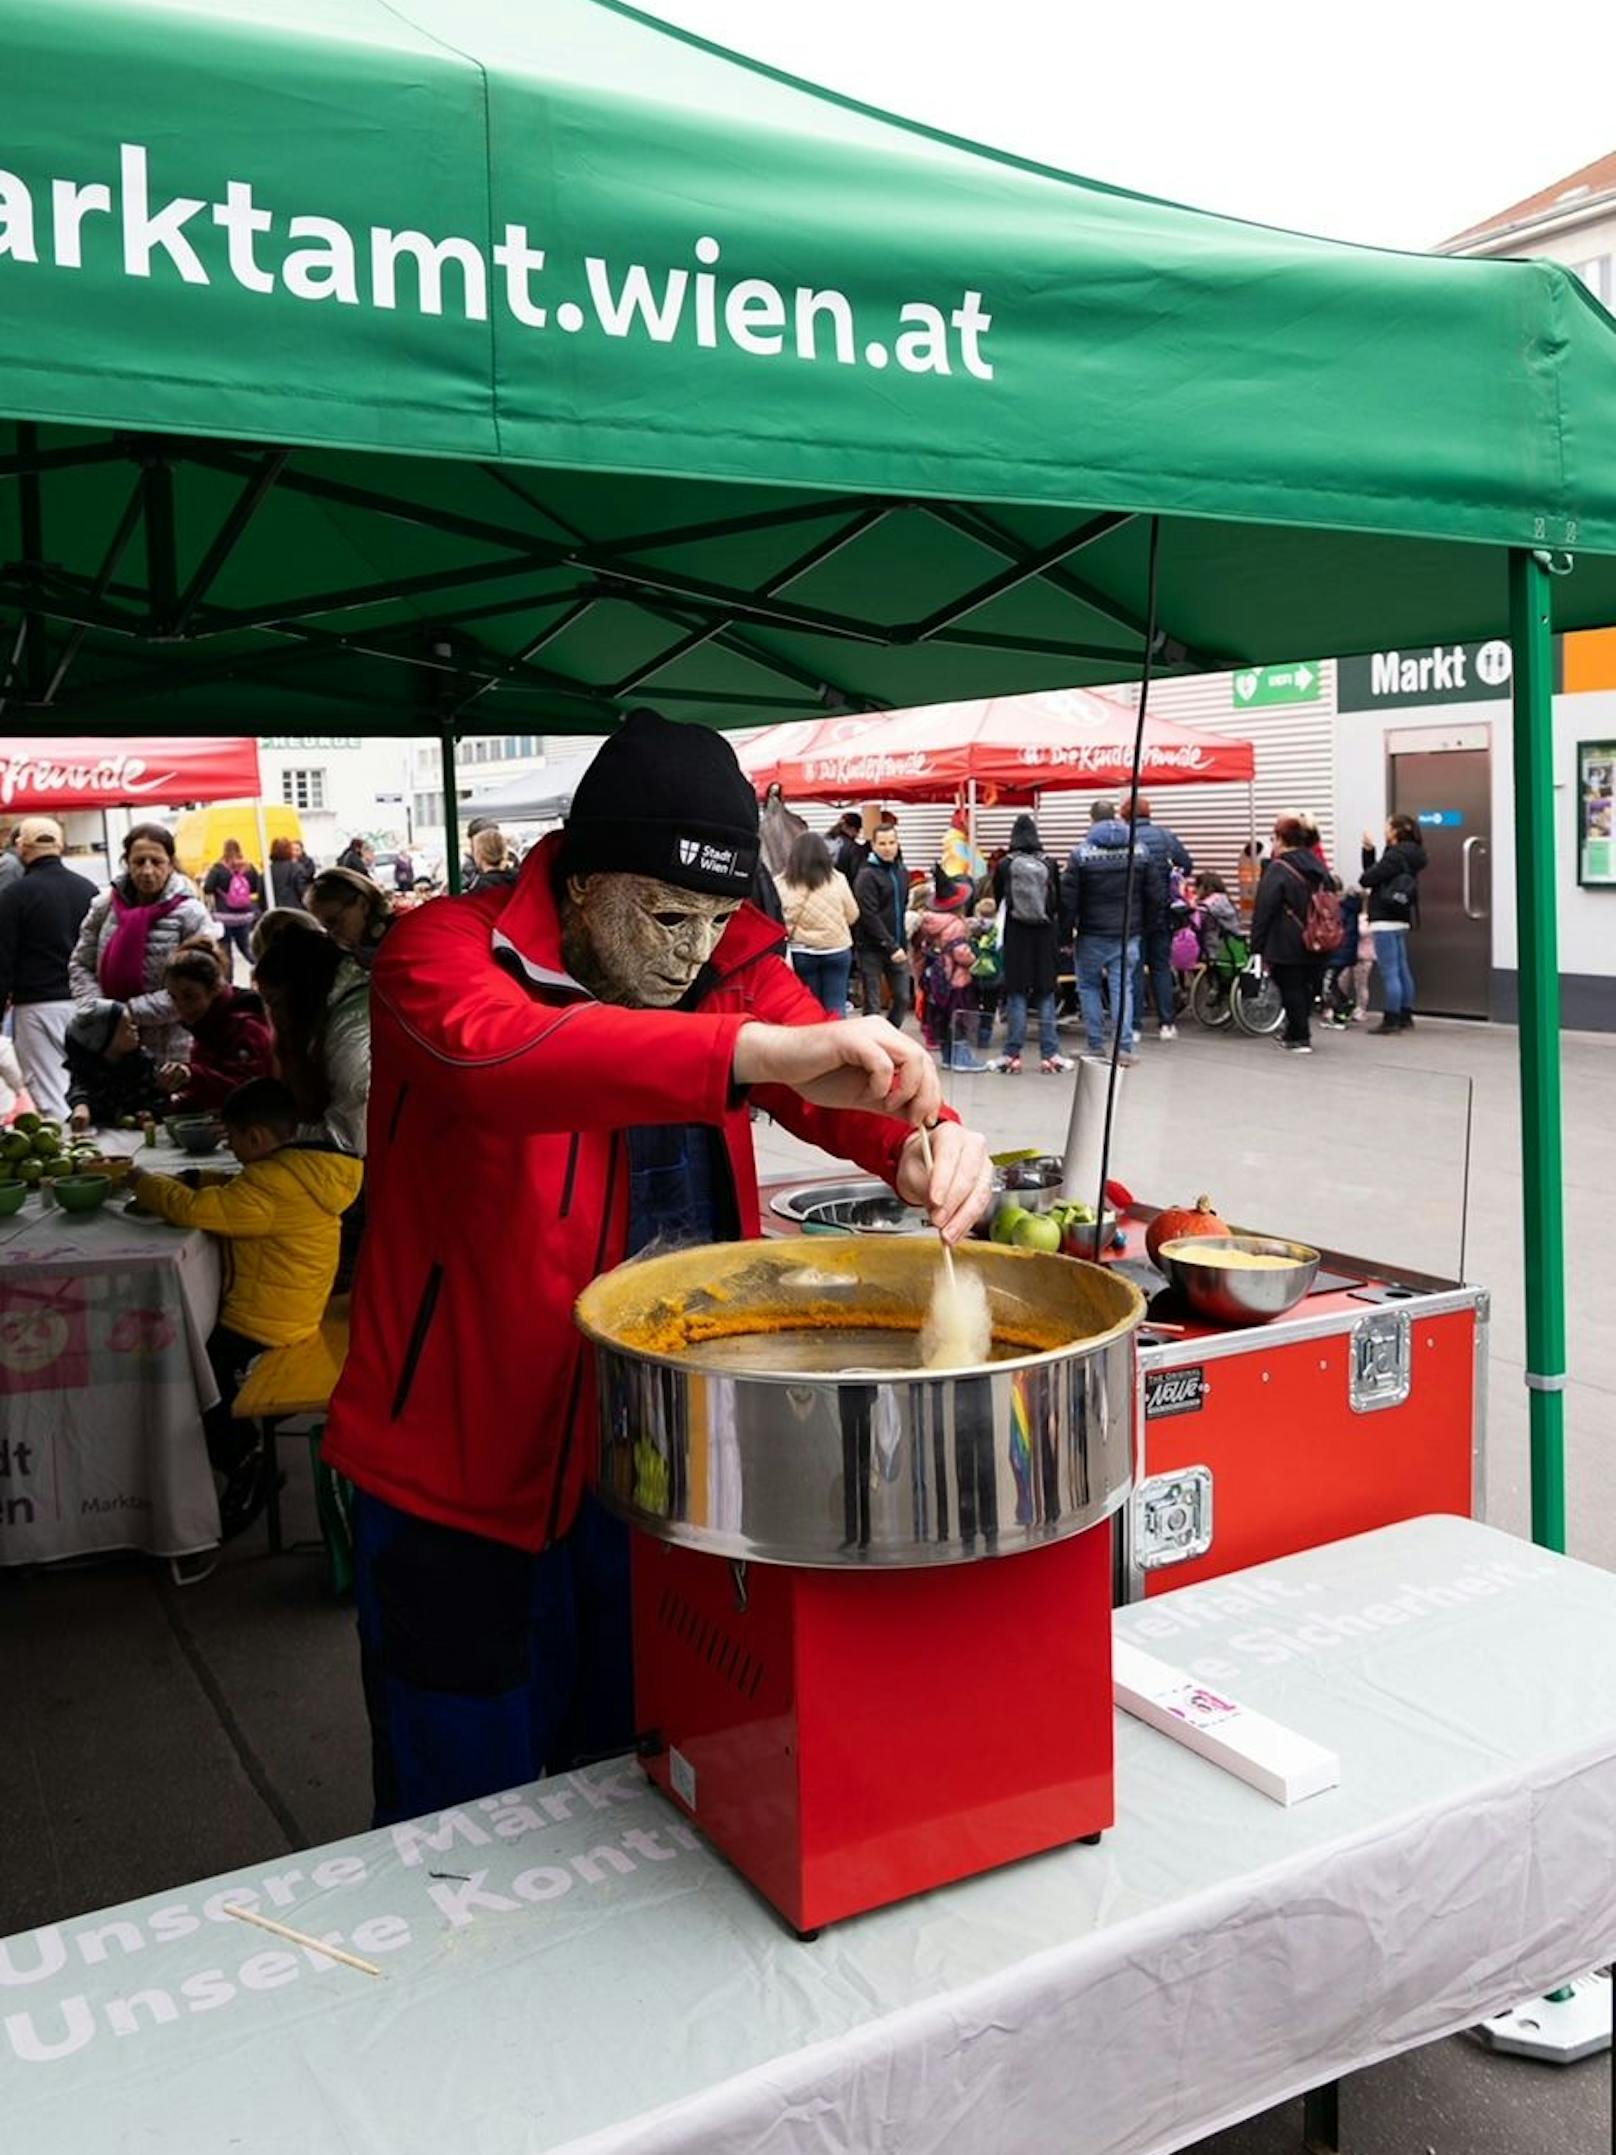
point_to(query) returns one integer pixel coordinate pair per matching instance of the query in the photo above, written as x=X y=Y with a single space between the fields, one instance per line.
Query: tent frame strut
x=166 y=609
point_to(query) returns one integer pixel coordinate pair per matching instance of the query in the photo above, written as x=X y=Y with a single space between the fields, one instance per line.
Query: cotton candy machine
x=840 y=1688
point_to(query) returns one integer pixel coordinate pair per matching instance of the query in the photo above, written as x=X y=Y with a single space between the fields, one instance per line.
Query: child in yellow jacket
x=280 y=1221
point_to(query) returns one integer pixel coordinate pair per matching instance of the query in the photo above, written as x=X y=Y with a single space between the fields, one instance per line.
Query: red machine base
x=847 y=1738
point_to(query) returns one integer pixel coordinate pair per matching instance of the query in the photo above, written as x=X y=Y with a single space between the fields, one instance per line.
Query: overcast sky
x=1392 y=124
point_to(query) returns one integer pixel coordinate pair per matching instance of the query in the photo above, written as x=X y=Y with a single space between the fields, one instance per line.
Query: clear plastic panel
x=1354 y=1148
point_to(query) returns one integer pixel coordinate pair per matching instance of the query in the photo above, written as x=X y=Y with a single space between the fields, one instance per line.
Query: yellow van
x=199 y=836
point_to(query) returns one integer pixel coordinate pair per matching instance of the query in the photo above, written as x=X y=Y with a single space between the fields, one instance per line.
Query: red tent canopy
x=1015 y=745
x=50 y=776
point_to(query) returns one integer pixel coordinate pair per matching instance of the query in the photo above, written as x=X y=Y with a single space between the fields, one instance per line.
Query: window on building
x=429 y=808
x=1599 y=275
x=303 y=790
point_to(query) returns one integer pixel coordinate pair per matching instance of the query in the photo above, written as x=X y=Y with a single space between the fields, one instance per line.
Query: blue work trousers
x=485 y=1665
x=1100 y=958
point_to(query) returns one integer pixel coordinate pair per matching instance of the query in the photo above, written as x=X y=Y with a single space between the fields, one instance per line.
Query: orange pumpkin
x=1181 y=1220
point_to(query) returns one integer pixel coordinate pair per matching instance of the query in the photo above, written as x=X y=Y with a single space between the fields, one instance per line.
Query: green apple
x=46 y=1142
x=1006 y=1220
x=16 y=1145
x=31 y=1171
x=28 y=1122
x=1037 y=1231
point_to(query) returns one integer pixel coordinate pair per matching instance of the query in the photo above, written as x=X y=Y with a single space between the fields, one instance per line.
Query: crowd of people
x=1322 y=940
x=1111 y=937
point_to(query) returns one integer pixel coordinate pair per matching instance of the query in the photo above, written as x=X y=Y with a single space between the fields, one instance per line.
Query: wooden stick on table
x=315 y=1945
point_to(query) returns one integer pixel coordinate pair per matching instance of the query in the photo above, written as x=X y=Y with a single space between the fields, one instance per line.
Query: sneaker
x=1125 y=1061
x=1168 y=1032
x=1056 y=1065
x=243 y=1492
x=1006 y=1065
x=963 y=1059
x=1360 y=1017
x=1296 y=1047
x=1390 y=1023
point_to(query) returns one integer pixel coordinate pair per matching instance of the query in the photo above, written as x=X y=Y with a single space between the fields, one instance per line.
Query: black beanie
x=669 y=801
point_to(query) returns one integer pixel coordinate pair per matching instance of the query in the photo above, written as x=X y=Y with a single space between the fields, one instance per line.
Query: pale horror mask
x=632 y=940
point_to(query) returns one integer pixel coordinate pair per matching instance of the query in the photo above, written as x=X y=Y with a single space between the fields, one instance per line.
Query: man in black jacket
x=880 y=939
x=40 y=916
x=1096 y=903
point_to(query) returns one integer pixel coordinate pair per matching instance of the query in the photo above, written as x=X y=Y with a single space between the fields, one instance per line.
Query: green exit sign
x=1302 y=682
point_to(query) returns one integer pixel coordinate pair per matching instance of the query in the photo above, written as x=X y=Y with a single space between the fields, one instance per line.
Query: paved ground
x=155 y=1734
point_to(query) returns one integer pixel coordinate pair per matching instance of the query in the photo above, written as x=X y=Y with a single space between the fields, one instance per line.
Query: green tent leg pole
x=451 y=817
x=1539 y=977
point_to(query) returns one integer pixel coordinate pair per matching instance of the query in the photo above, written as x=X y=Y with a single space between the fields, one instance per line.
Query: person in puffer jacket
x=132 y=931
x=280 y=1220
x=1105 y=916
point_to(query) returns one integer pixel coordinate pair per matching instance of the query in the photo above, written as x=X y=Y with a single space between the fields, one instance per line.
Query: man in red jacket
x=561 y=1071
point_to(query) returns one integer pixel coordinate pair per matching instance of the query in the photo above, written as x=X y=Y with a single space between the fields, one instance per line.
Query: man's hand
x=900 y=957
x=955 y=1194
x=848 y=1063
x=174 y=1077
x=80 y=1118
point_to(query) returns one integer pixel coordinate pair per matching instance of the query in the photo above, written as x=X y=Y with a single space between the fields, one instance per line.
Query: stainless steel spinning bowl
x=765 y=1401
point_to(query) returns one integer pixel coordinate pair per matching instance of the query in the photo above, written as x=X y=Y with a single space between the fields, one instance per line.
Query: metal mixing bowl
x=1236 y=1297
x=1034 y=1185
x=865 y=1207
x=765 y=1400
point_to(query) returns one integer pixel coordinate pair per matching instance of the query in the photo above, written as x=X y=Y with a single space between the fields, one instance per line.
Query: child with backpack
x=943 y=969
x=1346 y=976
x=987 y=966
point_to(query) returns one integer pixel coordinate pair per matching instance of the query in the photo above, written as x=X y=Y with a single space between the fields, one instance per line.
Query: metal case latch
x=1381 y=1372
x=1172 y=1518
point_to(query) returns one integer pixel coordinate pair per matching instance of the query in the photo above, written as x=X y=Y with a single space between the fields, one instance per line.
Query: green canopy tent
x=453 y=363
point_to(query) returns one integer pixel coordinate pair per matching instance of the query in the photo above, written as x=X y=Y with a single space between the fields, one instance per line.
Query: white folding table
x=567 y=1967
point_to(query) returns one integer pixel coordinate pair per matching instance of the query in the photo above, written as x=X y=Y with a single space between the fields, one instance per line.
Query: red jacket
x=496 y=1190
x=231 y=1044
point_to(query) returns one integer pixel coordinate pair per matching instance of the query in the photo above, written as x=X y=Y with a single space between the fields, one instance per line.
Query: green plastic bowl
x=11 y=1197
x=82 y=1193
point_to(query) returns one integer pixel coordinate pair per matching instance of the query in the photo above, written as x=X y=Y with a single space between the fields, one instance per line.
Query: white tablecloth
x=568 y=1967
x=103 y=1378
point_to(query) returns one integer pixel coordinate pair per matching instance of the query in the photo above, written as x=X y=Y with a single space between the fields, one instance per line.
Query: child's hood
x=330 y=1178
